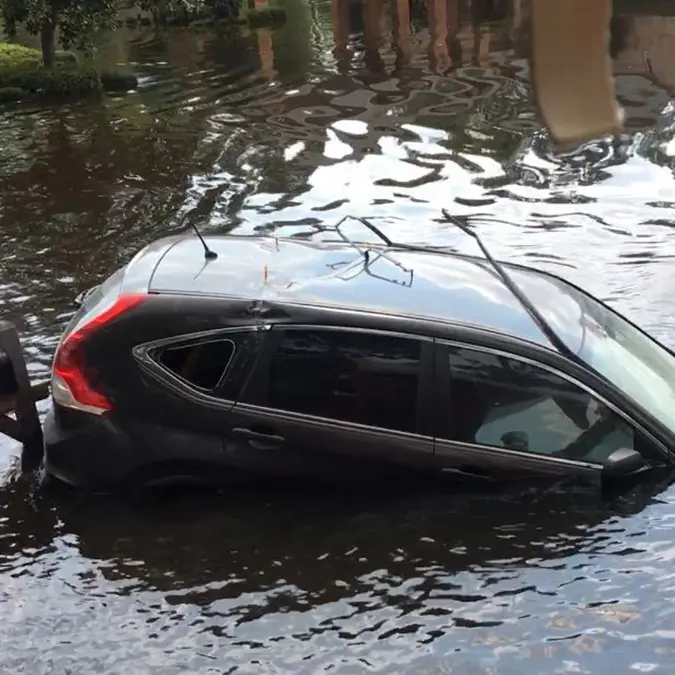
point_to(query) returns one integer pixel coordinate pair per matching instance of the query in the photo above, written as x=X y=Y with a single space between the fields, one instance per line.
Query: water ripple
x=287 y=131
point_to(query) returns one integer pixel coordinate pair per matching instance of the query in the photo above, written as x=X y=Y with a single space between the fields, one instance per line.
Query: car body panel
x=139 y=270
x=487 y=462
x=457 y=289
x=315 y=445
x=193 y=424
x=257 y=287
x=322 y=447
x=117 y=451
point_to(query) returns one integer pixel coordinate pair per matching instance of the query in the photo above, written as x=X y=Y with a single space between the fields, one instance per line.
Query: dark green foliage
x=22 y=75
x=11 y=12
x=57 y=82
x=67 y=58
x=224 y=10
x=77 y=21
x=266 y=16
x=8 y=94
x=139 y=20
x=65 y=81
x=174 y=12
x=209 y=12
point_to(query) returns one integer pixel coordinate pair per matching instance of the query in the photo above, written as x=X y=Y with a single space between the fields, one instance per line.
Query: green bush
x=22 y=74
x=67 y=80
x=56 y=82
x=10 y=94
x=14 y=56
x=67 y=58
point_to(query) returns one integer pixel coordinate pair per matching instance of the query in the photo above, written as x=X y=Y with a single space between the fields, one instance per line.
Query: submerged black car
x=288 y=357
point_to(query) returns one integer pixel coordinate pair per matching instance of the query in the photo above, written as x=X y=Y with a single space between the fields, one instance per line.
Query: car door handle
x=470 y=471
x=259 y=439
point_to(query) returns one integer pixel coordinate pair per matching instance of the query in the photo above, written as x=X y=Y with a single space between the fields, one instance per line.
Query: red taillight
x=72 y=386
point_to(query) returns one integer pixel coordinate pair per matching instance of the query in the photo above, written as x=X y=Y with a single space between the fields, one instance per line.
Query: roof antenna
x=544 y=326
x=209 y=254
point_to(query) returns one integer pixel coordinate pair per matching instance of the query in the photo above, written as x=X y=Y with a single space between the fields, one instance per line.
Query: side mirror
x=622 y=463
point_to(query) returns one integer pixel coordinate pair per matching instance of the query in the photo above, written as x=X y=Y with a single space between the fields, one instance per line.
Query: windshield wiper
x=537 y=317
x=534 y=313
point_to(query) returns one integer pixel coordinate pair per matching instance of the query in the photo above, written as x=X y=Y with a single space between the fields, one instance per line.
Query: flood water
x=340 y=112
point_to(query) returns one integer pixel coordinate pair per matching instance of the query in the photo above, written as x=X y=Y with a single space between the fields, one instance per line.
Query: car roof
x=388 y=280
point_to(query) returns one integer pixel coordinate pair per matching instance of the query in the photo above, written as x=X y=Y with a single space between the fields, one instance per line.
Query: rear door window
x=362 y=377
x=201 y=365
x=507 y=403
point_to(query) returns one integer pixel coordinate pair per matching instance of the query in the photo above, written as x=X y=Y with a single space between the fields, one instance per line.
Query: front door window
x=506 y=403
x=367 y=378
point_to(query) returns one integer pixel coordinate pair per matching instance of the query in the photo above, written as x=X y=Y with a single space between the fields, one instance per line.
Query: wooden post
x=26 y=428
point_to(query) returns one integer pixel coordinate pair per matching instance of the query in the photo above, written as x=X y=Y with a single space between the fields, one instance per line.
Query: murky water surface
x=340 y=112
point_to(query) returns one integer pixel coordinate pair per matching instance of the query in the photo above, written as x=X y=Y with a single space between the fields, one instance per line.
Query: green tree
x=182 y=10
x=76 y=21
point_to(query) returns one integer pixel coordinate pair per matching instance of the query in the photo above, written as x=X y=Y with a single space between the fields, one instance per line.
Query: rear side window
x=366 y=378
x=200 y=365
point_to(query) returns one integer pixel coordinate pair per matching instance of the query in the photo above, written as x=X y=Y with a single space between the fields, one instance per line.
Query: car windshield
x=638 y=365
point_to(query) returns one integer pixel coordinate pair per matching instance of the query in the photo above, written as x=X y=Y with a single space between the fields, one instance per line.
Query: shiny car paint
x=162 y=427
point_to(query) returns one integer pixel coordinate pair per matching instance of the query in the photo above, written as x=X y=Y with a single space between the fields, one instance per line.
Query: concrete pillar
x=340 y=21
x=439 y=59
x=265 y=43
x=401 y=32
x=373 y=35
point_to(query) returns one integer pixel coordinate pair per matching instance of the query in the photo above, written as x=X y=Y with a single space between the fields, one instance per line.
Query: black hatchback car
x=240 y=355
